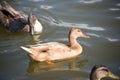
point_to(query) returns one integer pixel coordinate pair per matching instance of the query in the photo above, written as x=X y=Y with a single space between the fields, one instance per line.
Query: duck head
x=99 y=71
x=35 y=25
x=76 y=32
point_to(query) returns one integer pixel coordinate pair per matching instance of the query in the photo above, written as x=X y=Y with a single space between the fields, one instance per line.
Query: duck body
x=15 y=20
x=51 y=51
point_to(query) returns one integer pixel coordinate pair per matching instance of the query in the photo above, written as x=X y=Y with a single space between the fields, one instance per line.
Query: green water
x=100 y=19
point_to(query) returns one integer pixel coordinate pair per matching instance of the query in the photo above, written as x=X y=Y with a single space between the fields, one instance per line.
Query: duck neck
x=74 y=44
x=94 y=77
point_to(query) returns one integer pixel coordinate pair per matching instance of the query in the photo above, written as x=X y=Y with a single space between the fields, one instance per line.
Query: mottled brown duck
x=16 y=21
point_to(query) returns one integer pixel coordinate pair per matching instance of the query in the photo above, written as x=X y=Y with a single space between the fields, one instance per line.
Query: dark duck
x=16 y=21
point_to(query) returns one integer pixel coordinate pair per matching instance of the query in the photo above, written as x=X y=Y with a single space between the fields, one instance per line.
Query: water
x=100 y=19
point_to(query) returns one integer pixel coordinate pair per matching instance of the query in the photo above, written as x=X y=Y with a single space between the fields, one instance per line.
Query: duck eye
x=77 y=30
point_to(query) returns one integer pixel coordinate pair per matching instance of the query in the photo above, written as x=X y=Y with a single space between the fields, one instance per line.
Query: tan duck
x=51 y=51
x=14 y=20
x=99 y=71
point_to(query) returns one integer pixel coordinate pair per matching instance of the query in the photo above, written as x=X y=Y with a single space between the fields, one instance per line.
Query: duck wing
x=49 y=45
x=54 y=50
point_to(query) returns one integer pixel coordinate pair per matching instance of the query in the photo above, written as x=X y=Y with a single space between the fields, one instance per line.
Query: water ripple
x=117 y=17
x=89 y=1
x=46 y=7
x=118 y=4
x=36 y=0
x=61 y=23
x=8 y=51
x=104 y=37
x=93 y=34
x=112 y=39
x=82 y=26
x=114 y=9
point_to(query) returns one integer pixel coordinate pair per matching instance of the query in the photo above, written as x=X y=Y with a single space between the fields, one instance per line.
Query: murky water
x=100 y=19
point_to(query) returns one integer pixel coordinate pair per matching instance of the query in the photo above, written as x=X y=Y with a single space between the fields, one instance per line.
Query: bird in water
x=52 y=51
x=100 y=71
x=16 y=21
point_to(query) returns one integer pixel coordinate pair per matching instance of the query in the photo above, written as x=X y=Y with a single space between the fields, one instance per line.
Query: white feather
x=38 y=26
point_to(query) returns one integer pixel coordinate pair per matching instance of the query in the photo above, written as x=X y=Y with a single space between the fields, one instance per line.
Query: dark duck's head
x=35 y=25
x=99 y=71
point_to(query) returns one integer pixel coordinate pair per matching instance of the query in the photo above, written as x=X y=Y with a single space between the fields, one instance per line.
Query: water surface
x=100 y=19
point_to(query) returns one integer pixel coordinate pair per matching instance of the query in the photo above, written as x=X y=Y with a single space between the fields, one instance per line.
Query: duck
x=100 y=71
x=17 y=21
x=52 y=51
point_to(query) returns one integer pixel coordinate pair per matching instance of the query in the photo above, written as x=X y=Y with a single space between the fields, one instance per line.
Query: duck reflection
x=73 y=63
x=36 y=38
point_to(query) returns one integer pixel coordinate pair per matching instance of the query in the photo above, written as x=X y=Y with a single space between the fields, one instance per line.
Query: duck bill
x=85 y=36
x=113 y=76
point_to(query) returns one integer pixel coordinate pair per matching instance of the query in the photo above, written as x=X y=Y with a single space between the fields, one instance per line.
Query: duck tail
x=27 y=49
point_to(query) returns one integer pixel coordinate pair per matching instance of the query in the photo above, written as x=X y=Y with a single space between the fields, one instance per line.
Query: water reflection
x=99 y=18
x=40 y=67
x=36 y=38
